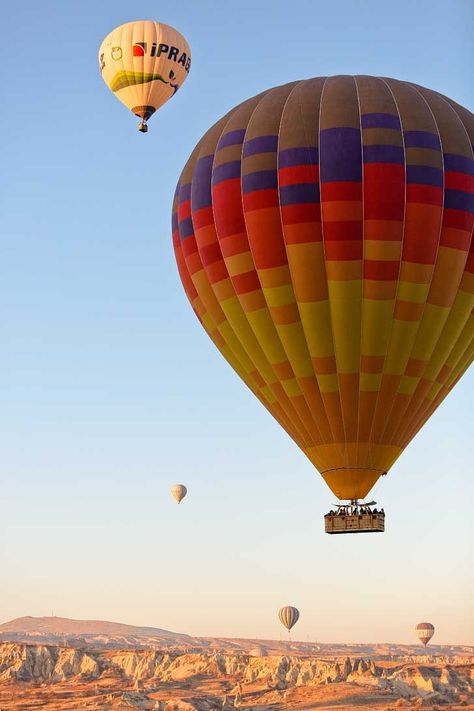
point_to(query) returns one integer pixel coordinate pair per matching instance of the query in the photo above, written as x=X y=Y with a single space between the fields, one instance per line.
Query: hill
x=57 y=630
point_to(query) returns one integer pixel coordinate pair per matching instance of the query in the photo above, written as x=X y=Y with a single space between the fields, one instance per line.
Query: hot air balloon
x=288 y=616
x=179 y=491
x=323 y=235
x=258 y=652
x=144 y=63
x=425 y=631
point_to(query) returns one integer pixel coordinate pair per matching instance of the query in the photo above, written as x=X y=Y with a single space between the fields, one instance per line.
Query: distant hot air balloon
x=288 y=616
x=258 y=652
x=425 y=631
x=322 y=232
x=179 y=491
x=144 y=63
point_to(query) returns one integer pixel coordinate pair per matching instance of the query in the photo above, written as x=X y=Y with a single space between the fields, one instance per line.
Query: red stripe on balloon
x=296 y=174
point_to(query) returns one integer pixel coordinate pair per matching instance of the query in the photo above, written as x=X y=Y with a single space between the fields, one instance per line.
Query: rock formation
x=142 y=671
x=23 y=662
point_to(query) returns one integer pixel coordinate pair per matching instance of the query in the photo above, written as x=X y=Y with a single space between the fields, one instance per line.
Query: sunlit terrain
x=55 y=663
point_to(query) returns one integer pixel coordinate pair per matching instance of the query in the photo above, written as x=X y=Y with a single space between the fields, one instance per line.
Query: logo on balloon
x=140 y=49
x=116 y=53
x=175 y=87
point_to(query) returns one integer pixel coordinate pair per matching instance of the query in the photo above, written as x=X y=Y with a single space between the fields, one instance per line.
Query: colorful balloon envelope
x=144 y=63
x=425 y=631
x=289 y=616
x=323 y=235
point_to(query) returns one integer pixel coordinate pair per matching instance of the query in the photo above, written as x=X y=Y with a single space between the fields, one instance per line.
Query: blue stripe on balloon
x=260 y=180
x=186 y=228
x=299 y=193
x=384 y=154
x=201 y=195
x=380 y=120
x=185 y=192
x=298 y=156
x=231 y=138
x=260 y=144
x=226 y=171
x=459 y=200
x=459 y=164
x=342 y=147
x=422 y=139
x=424 y=175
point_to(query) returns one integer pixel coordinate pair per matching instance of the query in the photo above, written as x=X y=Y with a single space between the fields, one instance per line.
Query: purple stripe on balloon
x=299 y=194
x=384 y=154
x=185 y=192
x=340 y=155
x=422 y=139
x=459 y=200
x=201 y=186
x=186 y=228
x=424 y=175
x=174 y=221
x=226 y=171
x=460 y=164
x=231 y=138
x=379 y=120
x=260 y=144
x=298 y=156
x=261 y=180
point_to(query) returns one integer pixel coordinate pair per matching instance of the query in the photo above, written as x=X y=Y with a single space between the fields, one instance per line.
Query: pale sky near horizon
x=112 y=392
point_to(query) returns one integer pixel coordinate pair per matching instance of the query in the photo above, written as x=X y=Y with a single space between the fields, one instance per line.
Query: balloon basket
x=355 y=517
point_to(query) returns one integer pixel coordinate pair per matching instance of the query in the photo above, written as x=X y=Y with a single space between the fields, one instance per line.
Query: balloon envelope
x=179 y=491
x=322 y=232
x=288 y=616
x=425 y=631
x=258 y=652
x=144 y=63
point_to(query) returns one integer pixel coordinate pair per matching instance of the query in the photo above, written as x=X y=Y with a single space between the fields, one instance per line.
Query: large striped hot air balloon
x=289 y=616
x=144 y=63
x=322 y=232
x=425 y=631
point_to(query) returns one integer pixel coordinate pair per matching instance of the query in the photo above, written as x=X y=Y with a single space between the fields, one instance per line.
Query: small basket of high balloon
x=356 y=517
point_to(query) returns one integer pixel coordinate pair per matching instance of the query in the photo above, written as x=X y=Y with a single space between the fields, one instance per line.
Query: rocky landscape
x=98 y=675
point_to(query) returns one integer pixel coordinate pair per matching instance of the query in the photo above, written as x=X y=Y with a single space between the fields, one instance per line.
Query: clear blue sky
x=110 y=389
